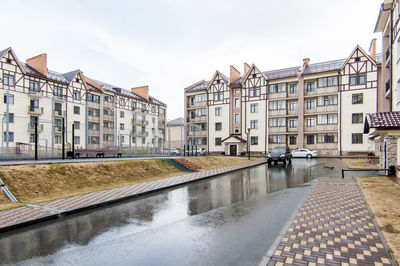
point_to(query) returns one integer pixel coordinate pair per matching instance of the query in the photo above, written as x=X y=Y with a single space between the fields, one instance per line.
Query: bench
x=389 y=171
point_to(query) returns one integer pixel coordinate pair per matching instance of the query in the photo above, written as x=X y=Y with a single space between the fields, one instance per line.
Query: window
x=327 y=100
x=58 y=108
x=143 y=140
x=93 y=112
x=77 y=125
x=275 y=88
x=122 y=139
x=58 y=91
x=9 y=98
x=276 y=139
x=8 y=80
x=76 y=95
x=276 y=122
x=218 y=126
x=356 y=138
x=32 y=138
x=122 y=114
x=357 y=79
x=218 y=96
x=254 y=92
x=121 y=126
x=253 y=124
x=57 y=139
x=277 y=105
x=310 y=86
x=218 y=111
x=328 y=81
x=93 y=98
x=237 y=103
x=77 y=140
x=199 y=98
x=108 y=98
x=236 y=118
x=310 y=139
x=254 y=108
x=292 y=140
x=218 y=141
x=310 y=104
x=327 y=138
x=327 y=119
x=292 y=122
x=254 y=140
x=93 y=126
x=94 y=140
x=153 y=109
x=357 y=118
x=77 y=110
x=293 y=89
x=33 y=85
x=311 y=122
x=108 y=137
x=237 y=91
x=201 y=112
x=357 y=98
x=293 y=106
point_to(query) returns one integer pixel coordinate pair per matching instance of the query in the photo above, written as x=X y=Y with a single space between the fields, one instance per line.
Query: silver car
x=304 y=153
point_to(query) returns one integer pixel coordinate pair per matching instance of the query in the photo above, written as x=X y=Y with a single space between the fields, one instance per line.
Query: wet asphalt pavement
x=231 y=219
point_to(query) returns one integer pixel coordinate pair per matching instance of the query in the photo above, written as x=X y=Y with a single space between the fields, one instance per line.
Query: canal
x=231 y=219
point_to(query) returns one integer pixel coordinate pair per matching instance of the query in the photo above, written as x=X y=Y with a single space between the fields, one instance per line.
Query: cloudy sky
x=171 y=44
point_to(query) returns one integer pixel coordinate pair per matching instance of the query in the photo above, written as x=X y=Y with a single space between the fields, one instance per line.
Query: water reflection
x=161 y=208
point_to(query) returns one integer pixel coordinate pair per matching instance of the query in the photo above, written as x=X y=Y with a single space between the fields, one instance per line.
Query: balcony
x=35 y=93
x=59 y=113
x=140 y=111
x=31 y=128
x=140 y=122
x=59 y=98
x=198 y=133
x=273 y=130
x=161 y=124
x=196 y=105
x=93 y=132
x=33 y=110
x=198 y=119
x=140 y=134
x=57 y=129
x=109 y=130
x=109 y=117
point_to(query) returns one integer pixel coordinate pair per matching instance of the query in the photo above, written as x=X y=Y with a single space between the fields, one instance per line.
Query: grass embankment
x=211 y=162
x=38 y=183
x=43 y=182
x=383 y=197
x=361 y=163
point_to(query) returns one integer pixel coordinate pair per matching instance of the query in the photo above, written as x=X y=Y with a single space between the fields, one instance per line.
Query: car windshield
x=281 y=150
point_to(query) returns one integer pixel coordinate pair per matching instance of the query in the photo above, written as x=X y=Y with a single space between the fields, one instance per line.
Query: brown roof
x=382 y=121
x=236 y=137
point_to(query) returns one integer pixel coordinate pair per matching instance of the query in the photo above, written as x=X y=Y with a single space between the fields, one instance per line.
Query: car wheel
x=309 y=156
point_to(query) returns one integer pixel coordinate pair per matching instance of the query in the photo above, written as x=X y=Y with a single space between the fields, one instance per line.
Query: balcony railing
x=31 y=127
x=35 y=92
x=60 y=113
x=35 y=110
x=109 y=117
x=140 y=122
x=140 y=133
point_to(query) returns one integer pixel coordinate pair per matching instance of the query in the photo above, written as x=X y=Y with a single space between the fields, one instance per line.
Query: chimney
x=39 y=63
x=142 y=91
x=372 y=49
x=306 y=61
x=235 y=74
x=246 y=69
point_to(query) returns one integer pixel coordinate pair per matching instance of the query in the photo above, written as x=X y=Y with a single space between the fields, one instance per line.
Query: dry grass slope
x=383 y=197
x=211 y=162
x=38 y=183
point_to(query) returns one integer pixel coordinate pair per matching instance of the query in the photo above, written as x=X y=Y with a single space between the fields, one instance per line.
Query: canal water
x=230 y=219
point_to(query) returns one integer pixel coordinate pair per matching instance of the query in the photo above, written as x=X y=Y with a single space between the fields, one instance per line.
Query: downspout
x=340 y=116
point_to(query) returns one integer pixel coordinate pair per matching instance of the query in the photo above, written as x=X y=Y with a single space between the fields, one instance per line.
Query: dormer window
x=77 y=79
x=9 y=61
x=254 y=75
x=357 y=59
x=218 y=81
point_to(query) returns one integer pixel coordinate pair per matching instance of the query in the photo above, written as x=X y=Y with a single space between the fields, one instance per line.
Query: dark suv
x=280 y=154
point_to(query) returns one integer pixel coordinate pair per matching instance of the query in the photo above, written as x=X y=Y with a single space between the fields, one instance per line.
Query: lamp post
x=248 y=144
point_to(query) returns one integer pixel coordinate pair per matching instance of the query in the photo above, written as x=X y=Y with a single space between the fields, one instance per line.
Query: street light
x=248 y=144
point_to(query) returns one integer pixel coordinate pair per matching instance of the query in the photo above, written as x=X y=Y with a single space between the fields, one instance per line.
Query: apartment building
x=318 y=106
x=104 y=116
x=383 y=127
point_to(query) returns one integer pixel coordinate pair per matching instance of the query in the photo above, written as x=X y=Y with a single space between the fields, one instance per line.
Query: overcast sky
x=171 y=44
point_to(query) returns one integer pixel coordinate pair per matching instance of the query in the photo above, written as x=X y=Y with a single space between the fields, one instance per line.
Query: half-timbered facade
x=304 y=106
x=104 y=116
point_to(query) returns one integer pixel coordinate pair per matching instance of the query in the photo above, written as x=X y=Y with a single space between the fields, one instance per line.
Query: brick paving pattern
x=333 y=227
x=25 y=214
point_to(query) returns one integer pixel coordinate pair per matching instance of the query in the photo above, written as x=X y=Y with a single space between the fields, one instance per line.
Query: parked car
x=304 y=153
x=172 y=151
x=280 y=154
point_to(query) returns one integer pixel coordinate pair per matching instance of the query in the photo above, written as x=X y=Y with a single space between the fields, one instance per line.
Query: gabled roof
x=203 y=85
x=352 y=53
x=4 y=51
x=235 y=137
x=177 y=122
x=9 y=49
x=282 y=73
x=253 y=66
x=382 y=121
x=71 y=75
x=224 y=78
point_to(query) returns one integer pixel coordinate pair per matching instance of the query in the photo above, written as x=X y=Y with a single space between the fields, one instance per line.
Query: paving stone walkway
x=333 y=227
x=46 y=210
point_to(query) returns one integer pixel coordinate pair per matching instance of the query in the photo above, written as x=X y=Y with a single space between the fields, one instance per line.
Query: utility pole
x=8 y=123
x=36 y=138
x=63 y=138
